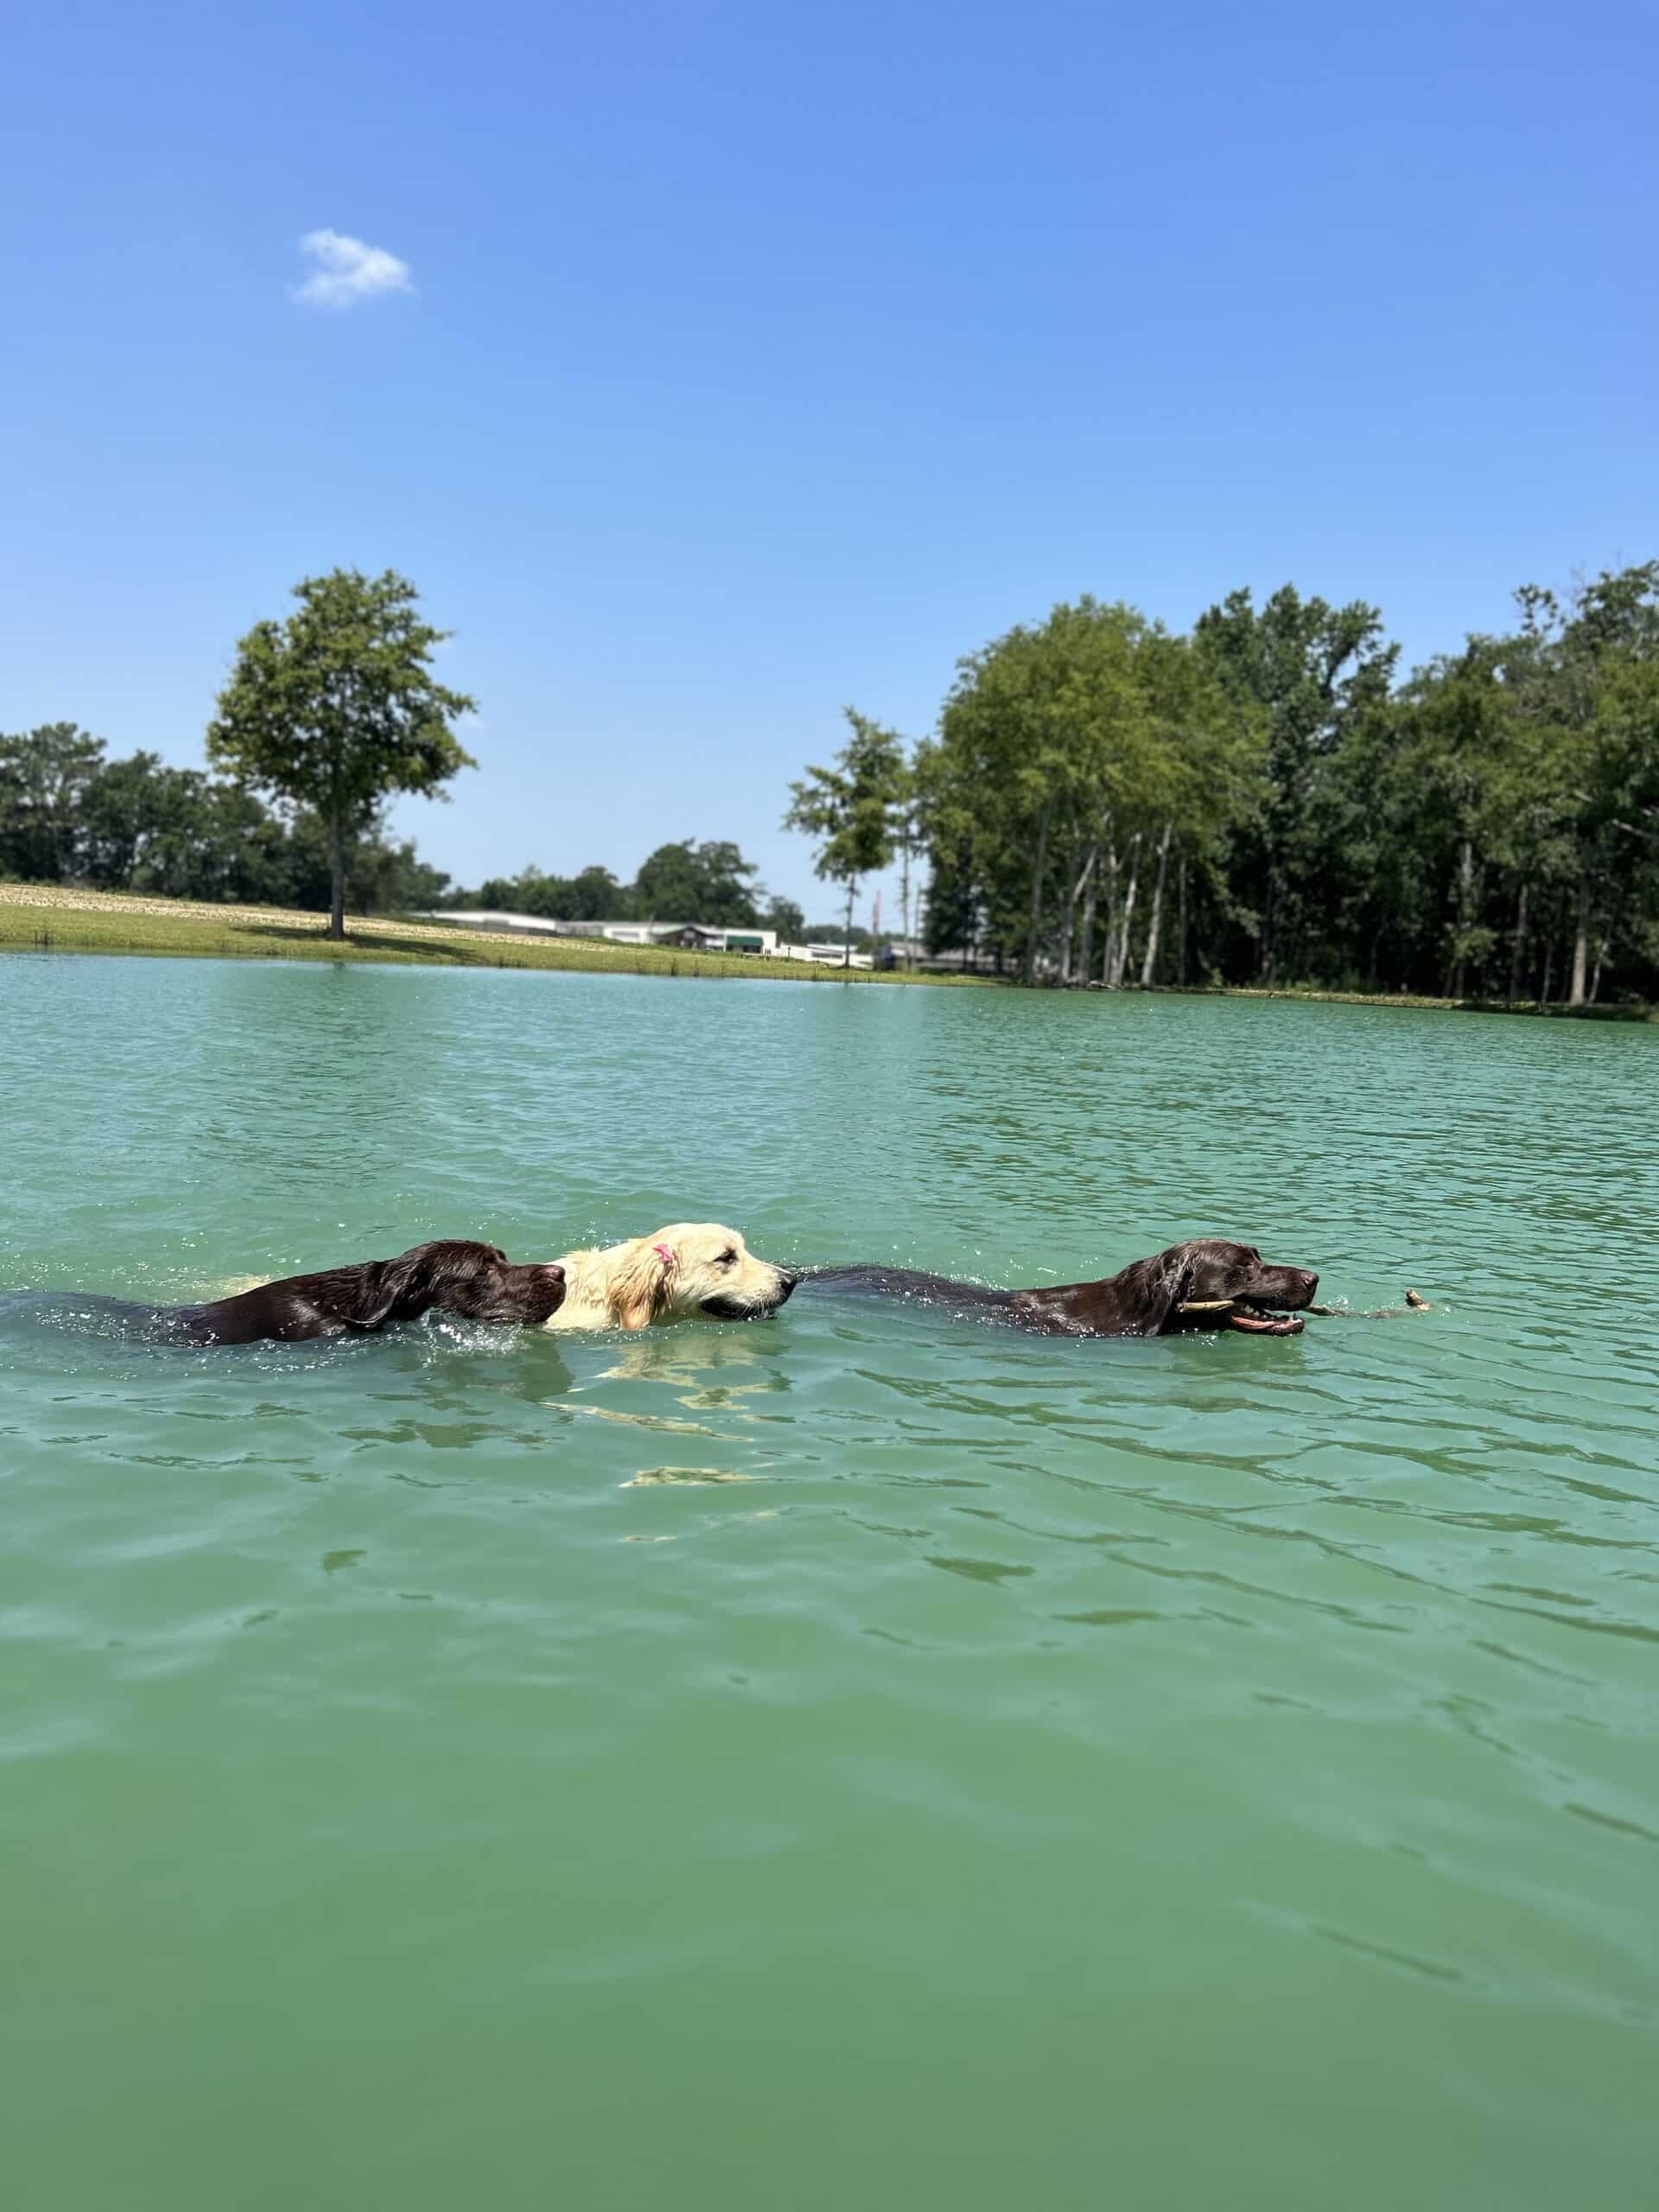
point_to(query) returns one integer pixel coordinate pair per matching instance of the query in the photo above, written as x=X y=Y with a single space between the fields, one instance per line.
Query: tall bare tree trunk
x=1063 y=956
x=1028 y=970
x=1518 y=948
x=904 y=895
x=1181 y=963
x=1268 y=919
x=1149 y=966
x=1465 y=913
x=1109 y=957
x=847 y=946
x=1595 y=973
x=1549 y=958
x=1084 y=876
x=1129 y=888
x=337 y=874
x=1086 y=939
x=1581 y=945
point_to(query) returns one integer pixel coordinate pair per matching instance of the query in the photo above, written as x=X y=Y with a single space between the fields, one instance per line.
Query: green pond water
x=857 y=1759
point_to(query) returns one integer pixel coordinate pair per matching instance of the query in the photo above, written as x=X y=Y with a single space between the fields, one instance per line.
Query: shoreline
x=49 y=917
x=1636 y=1010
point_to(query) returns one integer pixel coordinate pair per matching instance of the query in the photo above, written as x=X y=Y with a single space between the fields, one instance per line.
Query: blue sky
x=752 y=360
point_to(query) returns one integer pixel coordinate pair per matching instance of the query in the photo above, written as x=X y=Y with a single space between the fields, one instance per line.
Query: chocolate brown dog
x=1205 y=1284
x=474 y=1280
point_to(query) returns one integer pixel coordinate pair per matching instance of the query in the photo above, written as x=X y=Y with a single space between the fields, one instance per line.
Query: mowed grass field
x=36 y=918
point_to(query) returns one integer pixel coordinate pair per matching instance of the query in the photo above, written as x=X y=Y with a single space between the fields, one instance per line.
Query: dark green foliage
x=852 y=808
x=593 y=896
x=1489 y=828
x=786 y=918
x=337 y=709
x=1312 y=675
x=44 y=780
x=710 y=883
x=69 y=815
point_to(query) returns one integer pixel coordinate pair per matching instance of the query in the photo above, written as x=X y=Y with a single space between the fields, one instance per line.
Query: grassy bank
x=36 y=917
x=46 y=918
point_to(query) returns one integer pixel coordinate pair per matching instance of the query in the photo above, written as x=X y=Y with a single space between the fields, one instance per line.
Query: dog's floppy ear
x=379 y=1291
x=638 y=1290
x=1153 y=1288
x=1179 y=1285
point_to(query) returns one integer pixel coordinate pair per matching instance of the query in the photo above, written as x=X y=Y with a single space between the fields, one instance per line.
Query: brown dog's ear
x=1184 y=1277
x=1154 y=1288
x=379 y=1291
x=639 y=1289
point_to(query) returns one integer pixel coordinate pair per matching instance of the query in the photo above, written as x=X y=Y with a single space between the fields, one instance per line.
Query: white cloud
x=347 y=271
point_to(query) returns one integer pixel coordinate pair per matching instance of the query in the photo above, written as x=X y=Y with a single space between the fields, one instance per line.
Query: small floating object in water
x=1415 y=1303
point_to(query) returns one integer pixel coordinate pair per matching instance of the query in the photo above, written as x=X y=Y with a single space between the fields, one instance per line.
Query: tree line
x=70 y=813
x=1264 y=800
x=707 y=881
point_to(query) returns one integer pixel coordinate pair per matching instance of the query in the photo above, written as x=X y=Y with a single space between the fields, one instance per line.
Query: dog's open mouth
x=1238 y=1313
x=1262 y=1321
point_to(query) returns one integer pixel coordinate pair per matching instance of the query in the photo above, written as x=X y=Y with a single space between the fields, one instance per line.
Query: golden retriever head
x=691 y=1266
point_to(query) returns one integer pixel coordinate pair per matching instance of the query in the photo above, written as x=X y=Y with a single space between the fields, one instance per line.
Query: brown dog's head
x=477 y=1282
x=1217 y=1284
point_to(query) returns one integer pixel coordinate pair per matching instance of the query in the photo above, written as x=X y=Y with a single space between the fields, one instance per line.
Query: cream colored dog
x=691 y=1266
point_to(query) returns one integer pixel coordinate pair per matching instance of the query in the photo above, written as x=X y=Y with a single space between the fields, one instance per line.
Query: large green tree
x=337 y=709
x=45 y=776
x=708 y=882
x=1313 y=673
x=1081 y=763
x=849 y=807
x=1591 y=683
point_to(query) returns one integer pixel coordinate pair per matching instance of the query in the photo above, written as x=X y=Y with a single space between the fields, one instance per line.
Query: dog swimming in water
x=474 y=1281
x=1206 y=1283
